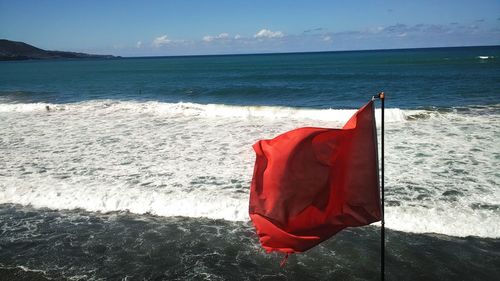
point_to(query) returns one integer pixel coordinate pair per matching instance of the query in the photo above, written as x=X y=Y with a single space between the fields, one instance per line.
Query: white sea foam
x=184 y=159
x=201 y=110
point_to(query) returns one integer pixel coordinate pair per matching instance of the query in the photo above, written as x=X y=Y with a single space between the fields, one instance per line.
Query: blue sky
x=152 y=28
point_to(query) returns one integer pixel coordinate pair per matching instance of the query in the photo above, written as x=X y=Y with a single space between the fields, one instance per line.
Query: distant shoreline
x=20 y=51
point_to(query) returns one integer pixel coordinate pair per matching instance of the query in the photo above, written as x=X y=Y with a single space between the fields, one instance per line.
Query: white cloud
x=160 y=41
x=209 y=38
x=237 y=36
x=327 y=38
x=223 y=35
x=266 y=33
x=138 y=44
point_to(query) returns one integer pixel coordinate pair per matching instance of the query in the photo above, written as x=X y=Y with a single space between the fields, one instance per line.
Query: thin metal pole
x=382 y=233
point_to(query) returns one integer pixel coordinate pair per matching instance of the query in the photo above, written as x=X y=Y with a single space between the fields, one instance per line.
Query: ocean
x=139 y=168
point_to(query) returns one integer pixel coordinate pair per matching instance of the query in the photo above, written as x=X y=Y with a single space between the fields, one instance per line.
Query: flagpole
x=381 y=96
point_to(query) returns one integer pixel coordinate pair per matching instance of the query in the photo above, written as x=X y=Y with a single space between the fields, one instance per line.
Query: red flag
x=310 y=183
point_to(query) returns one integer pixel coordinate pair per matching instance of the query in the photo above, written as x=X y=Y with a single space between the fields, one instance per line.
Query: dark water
x=80 y=245
x=442 y=77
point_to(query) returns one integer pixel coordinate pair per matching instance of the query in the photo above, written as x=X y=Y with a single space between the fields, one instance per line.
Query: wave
x=235 y=111
x=203 y=110
x=52 y=193
x=196 y=160
x=226 y=205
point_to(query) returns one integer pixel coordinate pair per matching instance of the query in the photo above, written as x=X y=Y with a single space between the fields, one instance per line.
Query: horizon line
x=308 y=52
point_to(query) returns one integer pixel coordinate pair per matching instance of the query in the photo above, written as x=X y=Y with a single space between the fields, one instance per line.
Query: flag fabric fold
x=310 y=183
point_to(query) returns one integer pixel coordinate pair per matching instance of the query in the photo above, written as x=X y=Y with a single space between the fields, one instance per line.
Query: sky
x=188 y=27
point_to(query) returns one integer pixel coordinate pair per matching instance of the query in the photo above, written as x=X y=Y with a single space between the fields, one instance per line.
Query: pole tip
x=381 y=95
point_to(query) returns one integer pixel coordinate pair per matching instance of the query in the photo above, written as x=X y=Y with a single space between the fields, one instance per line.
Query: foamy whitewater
x=196 y=160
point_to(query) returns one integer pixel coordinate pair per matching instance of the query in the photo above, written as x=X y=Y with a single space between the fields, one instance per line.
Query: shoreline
x=65 y=244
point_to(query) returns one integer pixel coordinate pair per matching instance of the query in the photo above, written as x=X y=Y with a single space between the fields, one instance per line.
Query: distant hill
x=11 y=50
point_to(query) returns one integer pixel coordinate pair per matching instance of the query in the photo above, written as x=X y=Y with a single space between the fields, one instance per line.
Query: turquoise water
x=139 y=168
x=413 y=78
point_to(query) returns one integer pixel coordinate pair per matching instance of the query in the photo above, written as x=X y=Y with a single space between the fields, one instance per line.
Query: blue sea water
x=139 y=168
x=413 y=78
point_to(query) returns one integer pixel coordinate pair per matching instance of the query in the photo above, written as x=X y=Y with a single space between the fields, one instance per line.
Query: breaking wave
x=202 y=110
x=194 y=160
